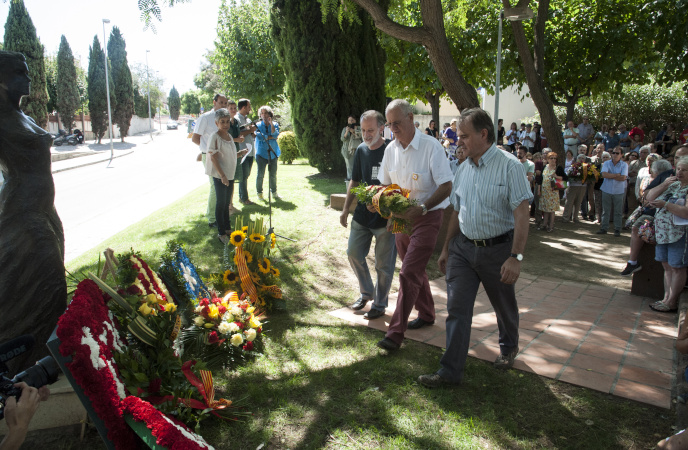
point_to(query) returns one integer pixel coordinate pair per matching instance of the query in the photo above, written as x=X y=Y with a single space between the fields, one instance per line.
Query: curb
x=91 y=163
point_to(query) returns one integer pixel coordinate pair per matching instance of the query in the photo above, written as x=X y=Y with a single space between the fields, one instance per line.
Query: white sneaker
x=276 y=196
x=260 y=197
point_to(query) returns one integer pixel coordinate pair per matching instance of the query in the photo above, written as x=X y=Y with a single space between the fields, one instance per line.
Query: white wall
x=136 y=126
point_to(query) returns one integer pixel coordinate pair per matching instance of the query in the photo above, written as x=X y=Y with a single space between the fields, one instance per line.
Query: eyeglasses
x=616 y=153
x=555 y=158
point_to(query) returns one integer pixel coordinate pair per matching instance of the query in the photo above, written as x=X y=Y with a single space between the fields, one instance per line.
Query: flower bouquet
x=583 y=172
x=387 y=200
x=224 y=330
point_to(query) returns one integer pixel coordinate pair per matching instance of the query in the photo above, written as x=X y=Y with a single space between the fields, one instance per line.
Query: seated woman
x=671 y=248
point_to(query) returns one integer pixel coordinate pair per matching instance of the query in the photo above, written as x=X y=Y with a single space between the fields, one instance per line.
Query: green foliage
x=20 y=36
x=288 y=146
x=68 y=99
x=190 y=102
x=244 y=56
x=123 y=108
x=651 y=103
x=51 y=82
x=670 y=26
x=97 y=91
x=174 y=103
x=331 y=72
x=141 y=78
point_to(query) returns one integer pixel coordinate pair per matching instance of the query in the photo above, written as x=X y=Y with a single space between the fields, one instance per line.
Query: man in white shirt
x=528 y=138
x=205 y=127
x=414 y=161
x=571 y=138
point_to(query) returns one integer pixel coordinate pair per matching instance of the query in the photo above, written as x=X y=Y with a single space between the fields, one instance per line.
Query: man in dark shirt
x=367 y=223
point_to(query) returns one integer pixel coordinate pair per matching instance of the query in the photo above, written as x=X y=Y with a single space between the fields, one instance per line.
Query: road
x=95 y=202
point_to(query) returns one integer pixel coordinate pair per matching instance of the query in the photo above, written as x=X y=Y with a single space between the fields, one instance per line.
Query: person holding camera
x=267 y=151
x=350 y=142
x=18 y=414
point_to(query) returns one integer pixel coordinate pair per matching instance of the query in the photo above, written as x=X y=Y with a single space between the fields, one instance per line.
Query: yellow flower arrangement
x=272 y=240
x=170 y=307
x=264 y=266
x=255 y=237
x=146 y=310
x=255 y=277
x=237 y=238
x=244 y=228
x=275 y=271
x=229 y=277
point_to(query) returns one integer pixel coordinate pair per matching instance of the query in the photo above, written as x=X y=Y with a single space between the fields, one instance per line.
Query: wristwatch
x=518 y=256
x=425 y=209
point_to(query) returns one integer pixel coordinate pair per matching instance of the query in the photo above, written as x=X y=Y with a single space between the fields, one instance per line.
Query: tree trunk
x=433 y=37
x=533 y=68
x=434 y=102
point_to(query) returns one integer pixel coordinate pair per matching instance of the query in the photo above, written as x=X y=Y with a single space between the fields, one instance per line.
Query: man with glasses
x=417 y=162
x=615 y=173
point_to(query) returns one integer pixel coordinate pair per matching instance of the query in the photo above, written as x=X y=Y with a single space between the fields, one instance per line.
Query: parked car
x=172 y=125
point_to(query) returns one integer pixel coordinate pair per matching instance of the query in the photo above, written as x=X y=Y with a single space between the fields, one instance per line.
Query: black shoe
x=434 y=380
x=212 y=225
x=631 y=269
x=360 y=304
x=418 y=323
x=506 y=361
x=388 y=344
x=602 y=232
x=373 y=314
x=617 y=233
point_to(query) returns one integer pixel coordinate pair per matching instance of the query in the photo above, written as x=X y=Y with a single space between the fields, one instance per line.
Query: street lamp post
x=150 y=125
x=107 y=90
x=515 y=15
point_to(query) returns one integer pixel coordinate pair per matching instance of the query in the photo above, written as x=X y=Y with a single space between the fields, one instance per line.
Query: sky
x=176 y=48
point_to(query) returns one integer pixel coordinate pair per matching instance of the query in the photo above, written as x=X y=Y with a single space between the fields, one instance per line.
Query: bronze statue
x=33 y=290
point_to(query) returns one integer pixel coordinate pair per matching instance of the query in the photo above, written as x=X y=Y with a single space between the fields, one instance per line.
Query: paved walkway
x=593 y=336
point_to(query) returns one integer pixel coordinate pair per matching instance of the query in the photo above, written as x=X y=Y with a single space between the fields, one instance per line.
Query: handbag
x=647 y=231
x=558 y=185
x=634 y=216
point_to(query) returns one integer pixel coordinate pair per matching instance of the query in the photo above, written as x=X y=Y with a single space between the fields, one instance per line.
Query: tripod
x=271 y=153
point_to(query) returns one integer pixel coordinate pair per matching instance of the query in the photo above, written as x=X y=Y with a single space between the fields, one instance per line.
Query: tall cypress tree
x=121 y=79
x=20 y=36
x=331 y=72
x=68 y=100
x=174 y=103
x=97 y=91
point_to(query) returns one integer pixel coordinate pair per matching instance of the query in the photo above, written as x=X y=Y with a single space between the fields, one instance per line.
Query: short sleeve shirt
x=614 y=186
x=485 y=195
x=205 y=126
x=227 y=157
x=421 y=167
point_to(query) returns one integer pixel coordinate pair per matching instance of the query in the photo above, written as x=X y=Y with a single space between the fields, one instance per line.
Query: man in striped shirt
x=485 y=242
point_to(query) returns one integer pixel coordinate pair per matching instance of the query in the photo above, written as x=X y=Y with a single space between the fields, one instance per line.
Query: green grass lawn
x=322 y=383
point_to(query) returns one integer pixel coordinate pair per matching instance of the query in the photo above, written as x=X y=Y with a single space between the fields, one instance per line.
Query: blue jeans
x=272 y=170
x=467 y=267
x=243 y=183
x=385 y=259
x=607 y=201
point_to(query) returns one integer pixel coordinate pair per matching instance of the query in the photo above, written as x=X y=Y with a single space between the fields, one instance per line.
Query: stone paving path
x=593 y=336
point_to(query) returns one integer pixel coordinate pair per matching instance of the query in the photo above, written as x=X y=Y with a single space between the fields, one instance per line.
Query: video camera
x=44 y=372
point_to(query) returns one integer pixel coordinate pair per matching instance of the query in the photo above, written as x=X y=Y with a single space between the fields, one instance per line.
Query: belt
x=506 y=237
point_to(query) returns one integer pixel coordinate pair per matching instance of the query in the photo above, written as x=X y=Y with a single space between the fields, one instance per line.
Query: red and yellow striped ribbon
x=209 y=388
x=246 y=281
x=397 y=228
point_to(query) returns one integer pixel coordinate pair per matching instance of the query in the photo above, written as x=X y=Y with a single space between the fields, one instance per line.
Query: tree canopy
x=244 y=56
x=68 y=98
x=174 y=103
x=191 y=104
x=123 y=108
x=141 y=80
x=97 y=91
x=20 y=36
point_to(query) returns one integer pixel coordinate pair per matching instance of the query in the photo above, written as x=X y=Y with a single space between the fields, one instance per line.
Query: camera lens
x=45 y=371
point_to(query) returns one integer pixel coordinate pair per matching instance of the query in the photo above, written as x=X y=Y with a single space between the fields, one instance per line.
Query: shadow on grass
x=374 y=398
x=327 y=185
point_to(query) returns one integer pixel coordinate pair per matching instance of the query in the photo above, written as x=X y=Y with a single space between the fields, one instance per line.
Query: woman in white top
x=221 y=165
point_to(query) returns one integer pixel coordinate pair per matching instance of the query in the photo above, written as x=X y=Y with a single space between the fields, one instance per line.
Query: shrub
x=288 y=146
x=656 y=105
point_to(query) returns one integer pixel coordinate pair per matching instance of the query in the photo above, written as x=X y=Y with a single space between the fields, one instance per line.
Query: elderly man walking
x=615 y=173
x=414 y=161
x=484 y=244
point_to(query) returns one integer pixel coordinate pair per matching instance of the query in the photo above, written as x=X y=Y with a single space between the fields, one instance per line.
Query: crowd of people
x=230 y=142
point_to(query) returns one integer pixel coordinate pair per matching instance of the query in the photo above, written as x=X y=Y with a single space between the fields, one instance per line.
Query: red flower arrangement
x=169 y=433
x=87 y=332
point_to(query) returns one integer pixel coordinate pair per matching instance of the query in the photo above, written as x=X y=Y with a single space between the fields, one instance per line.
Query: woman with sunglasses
x=549 y=200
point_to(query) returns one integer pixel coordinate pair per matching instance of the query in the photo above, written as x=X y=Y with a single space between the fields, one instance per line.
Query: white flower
x=236 y=311
x=199 y=321
x=187 y=276
x=224 y=328
x=228 y=317
x=233 y=327
x=250 y=334
x=237 y=340
x=198 y=309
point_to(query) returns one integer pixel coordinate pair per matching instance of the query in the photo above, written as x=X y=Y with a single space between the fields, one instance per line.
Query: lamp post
x=150 y=126
x=515 y=15
x=107 y=90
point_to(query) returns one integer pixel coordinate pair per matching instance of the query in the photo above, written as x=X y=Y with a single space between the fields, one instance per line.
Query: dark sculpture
x=33 y=290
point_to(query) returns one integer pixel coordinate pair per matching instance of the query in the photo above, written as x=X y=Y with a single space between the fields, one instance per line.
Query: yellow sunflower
x=230 y=277
x=249 y=257
x=237 y=238
x=264 y=266
x=272 y=240
x=255 y=237
x=244 y=228
x=275 y=271
x=255 y=277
